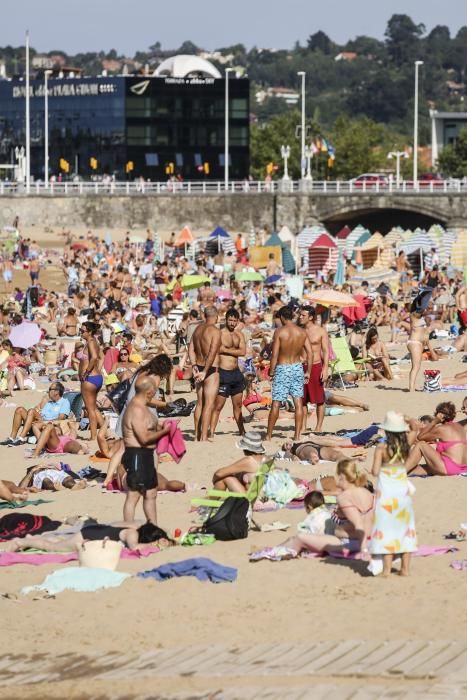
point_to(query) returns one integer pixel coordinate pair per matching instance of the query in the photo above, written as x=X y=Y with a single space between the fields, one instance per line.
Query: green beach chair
x=344 y=361
x=215 y=497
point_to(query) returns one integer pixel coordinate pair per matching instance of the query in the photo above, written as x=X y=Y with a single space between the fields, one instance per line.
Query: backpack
x=230 y=521
x=118 y=395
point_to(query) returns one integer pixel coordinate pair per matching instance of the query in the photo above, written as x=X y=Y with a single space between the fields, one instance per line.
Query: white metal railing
x=325 y=187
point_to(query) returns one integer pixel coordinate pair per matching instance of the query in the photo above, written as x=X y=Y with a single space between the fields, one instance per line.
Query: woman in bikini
x=351 y=523
x=374 y=351
x=313 y=452
x=90 y=374
x=69 y=326
x=448 y=456
x=416 y=344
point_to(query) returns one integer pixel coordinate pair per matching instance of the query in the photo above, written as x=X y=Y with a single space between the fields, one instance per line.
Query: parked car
x=370 y=181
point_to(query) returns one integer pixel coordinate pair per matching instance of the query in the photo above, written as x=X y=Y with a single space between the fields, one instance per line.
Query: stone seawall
x=164 y=213
x=234 y=211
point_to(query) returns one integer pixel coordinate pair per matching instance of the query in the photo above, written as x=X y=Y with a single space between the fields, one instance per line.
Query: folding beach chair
x=215 y=497
x=344 y=361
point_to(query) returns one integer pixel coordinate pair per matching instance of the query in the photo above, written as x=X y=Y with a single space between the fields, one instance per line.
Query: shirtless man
x=231 y=380
x=461 y=304
x=286 y=369
x=207 y=297
x=203 y=352
x=141 y=432
x=34 y=270
x=314 y=390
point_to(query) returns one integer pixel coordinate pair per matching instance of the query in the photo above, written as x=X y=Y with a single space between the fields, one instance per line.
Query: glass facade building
x=129 y=126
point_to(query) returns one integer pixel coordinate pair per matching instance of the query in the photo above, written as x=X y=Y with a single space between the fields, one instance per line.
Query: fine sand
x=294 y=601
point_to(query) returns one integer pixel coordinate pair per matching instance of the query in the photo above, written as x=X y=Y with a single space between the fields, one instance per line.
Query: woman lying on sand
x=132 y=535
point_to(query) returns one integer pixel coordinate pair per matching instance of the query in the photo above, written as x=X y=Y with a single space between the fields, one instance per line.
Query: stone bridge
x=236 y=211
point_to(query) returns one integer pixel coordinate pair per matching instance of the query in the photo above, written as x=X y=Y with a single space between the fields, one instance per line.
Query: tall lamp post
x=46 y=127
x=415 y=126
x=302 y=74
x=28 y=124
x=226 y=134
x=398 y=155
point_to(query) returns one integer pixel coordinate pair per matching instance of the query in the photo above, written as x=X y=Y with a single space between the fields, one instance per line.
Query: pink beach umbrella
x=25 y=335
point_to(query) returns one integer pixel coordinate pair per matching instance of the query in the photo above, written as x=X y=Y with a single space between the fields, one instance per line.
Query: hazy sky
x=90 y=25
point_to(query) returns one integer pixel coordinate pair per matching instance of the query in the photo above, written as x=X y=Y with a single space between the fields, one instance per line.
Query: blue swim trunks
x=288 y=381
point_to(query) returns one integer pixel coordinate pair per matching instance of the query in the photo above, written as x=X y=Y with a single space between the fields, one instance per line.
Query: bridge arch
x=381 y=219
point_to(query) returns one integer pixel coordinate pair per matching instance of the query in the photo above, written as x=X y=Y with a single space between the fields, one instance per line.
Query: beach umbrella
x=79 y=246
x=249 y=277
x=223 y=294
x=272 y=279
x=25 y=335
x=219 y=232
x=189 y=282
x=185 y=237
x=330 y=297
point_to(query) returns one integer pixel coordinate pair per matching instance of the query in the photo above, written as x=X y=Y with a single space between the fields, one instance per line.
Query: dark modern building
x=132 y=126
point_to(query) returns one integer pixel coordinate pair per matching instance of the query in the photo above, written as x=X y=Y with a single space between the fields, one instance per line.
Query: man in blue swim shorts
x=290 y=346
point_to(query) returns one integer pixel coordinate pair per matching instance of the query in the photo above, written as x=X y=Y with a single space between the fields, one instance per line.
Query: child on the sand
x=318 y=514
x=394 y=522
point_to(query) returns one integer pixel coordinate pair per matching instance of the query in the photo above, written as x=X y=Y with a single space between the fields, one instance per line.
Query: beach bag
x=432 y=380
x=119 y=394
x=100 y=554
x=230 y=521
x=281 y=488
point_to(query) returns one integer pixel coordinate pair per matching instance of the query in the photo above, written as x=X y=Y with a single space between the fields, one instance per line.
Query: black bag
x=119 y=394
x=229 y=522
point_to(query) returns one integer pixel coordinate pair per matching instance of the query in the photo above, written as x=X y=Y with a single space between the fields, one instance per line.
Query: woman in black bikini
x=132 y=535
x=312 y=452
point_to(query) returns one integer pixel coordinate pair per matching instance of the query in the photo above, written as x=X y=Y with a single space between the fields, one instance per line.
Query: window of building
x=152 y=159
x=239 y=108
x=238 y=136
x=179 y=160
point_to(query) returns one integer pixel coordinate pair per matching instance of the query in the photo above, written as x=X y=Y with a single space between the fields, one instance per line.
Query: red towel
x=172 y=443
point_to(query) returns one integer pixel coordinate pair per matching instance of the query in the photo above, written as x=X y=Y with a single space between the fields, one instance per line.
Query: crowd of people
x=127 y=333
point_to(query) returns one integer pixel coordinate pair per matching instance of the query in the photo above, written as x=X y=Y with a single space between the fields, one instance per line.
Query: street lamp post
x=415 y=126
x=302 y=127
x=285 y=153
x=398 y=155
x=46 y=127
x=308 y=156
x=28 y=124
x=226 y=134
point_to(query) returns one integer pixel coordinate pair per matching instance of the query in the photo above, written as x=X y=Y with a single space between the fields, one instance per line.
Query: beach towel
x=81 y=579
x=173 y=443
x=202 y=568
x=459 y=564
x=38 y=558
x=22 y=524
x=21 y=504
x=375 y=567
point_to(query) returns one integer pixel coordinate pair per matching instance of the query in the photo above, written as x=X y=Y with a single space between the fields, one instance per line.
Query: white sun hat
x=394 y=423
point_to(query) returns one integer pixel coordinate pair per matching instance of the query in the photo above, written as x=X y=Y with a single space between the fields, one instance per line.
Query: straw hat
x=395 y=423
x=251 y=442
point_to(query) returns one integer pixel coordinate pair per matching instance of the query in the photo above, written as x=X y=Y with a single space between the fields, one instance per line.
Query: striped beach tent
x=370 y=250
x=308 y=236
x=359 y=235
x=322 y=255
x=419 y=240
x=394 y=236
x=445 y=249
x=459 y=250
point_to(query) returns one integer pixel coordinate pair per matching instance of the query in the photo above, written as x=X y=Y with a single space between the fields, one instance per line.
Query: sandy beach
x=297 y=602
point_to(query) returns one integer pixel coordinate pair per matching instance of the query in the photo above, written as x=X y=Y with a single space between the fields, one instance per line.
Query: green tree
x=266 y=141
x=452 y=160
x=403 y=39
x=319 y=41
x=361 y=146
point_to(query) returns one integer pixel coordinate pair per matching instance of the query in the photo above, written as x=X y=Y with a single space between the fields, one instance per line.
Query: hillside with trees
x=359 y=95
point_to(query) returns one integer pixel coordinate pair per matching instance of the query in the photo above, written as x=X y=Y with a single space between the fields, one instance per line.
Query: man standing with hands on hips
x=319 y=369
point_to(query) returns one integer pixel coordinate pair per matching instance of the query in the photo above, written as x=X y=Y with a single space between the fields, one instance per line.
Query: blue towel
x=364 y=435
x=204 y=569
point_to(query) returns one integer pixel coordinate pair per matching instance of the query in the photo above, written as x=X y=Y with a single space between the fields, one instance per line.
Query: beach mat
x=38 y=558
x=22 y=504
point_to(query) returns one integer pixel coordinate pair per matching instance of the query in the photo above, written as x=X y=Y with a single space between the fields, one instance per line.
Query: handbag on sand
x=100 y=554
x=432 y=380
